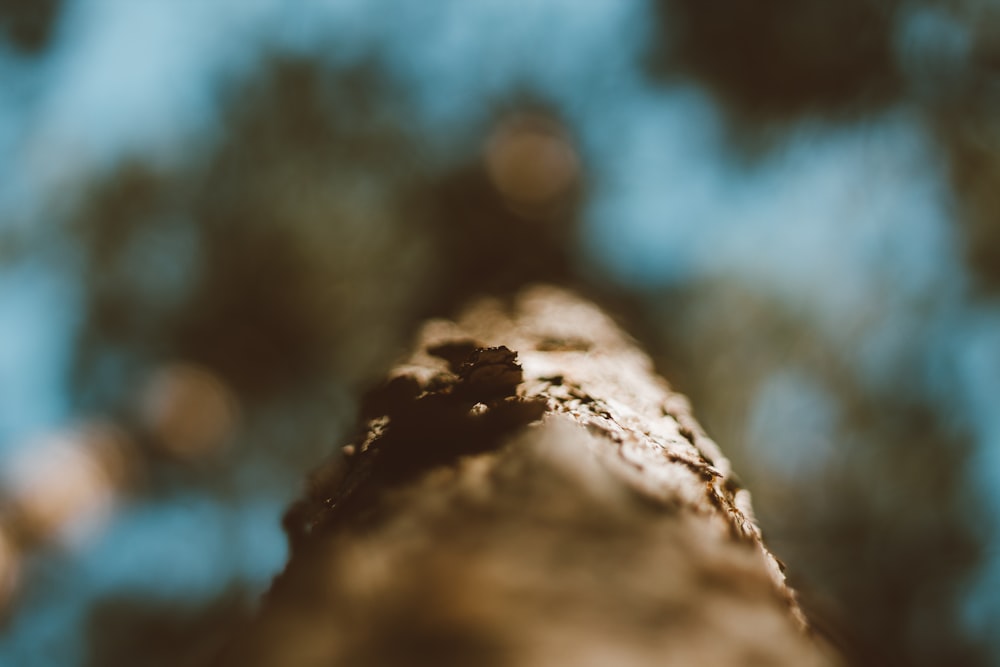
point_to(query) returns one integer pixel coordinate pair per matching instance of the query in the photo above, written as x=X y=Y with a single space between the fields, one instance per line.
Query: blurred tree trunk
x=525 y=491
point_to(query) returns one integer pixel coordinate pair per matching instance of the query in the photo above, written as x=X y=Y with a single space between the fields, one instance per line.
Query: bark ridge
x=525 y=490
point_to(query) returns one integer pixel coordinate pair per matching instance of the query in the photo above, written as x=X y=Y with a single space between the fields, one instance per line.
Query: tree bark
x=526 y=491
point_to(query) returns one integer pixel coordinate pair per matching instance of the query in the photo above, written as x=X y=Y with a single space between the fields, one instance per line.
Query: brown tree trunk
x=526 y=491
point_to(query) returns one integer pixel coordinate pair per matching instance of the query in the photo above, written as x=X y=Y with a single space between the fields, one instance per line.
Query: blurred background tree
x=219 y=225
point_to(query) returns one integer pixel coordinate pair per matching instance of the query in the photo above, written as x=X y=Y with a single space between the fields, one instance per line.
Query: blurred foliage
x=167 y=635
x=28 y=24
x=776 y=59
x=962 y=102
x=291 y=256
x=776 y=63
x=257 y=262
x=301 y=249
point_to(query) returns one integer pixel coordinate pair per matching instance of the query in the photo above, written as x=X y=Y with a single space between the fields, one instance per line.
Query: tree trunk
x=526 y=491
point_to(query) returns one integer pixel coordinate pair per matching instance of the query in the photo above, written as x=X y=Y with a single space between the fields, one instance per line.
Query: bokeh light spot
x=532 y=163
x=189 y=410
x=63 y=486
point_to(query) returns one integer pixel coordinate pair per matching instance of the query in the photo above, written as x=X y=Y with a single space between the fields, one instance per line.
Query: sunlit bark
x=526 y=491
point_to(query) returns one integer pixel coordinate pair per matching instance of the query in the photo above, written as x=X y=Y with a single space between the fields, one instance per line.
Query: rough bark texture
x=526 y=491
